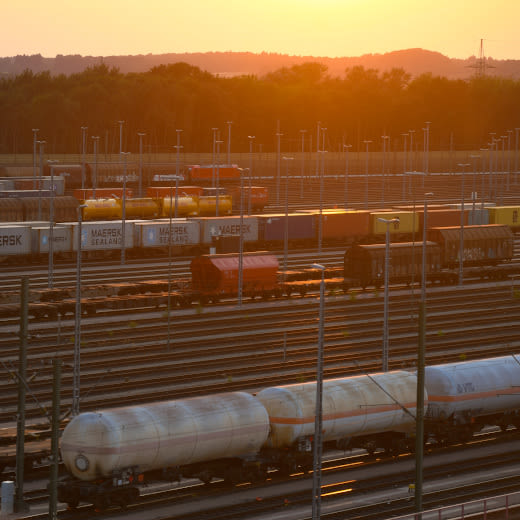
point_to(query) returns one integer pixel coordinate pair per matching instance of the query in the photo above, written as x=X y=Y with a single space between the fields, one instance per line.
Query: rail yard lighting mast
x=286 y=221
x=322 y=175
x=404 y=166
x=318 y=416
x=419 y=418
x=385 y=138
x=461 y=246
x=83 y=152
x=427 y=149
x=77 y=320
x=95 y=138
x=123 y=213
x=218 y=143
x=366 y=172
x=121 y=123
x=302 y=162
x=241 y=239
x=51 y=225
x=278 y=173
x=346 y=147
x=412 y=155
x=42 y=146
x=517 y=130
x=251 y=142
x=141 y=135
x=474 y=158
x=214 y=130
x=35 y=137
x=387 y=263
x=229 y=123
x=178 y=148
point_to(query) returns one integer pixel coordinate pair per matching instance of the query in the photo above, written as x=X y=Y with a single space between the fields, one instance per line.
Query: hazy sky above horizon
x=299 y=27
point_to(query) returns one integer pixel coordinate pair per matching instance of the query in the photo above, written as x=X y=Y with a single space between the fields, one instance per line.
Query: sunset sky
x=299 y=27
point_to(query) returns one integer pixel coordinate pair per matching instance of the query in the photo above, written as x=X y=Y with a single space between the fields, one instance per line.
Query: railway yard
x=138 y=352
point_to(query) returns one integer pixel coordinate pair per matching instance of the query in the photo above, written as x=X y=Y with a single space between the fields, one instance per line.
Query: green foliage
x=167 y=97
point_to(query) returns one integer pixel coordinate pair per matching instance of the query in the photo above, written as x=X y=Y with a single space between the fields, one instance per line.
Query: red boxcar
x=216 y=276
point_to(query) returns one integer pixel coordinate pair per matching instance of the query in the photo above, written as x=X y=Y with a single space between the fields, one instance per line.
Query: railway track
x=356 y=485
x=213 y=350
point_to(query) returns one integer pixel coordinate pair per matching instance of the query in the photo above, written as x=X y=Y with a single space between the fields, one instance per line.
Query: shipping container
x=482 y=245
x=74 y=174
x=408 y=222
x=17 y=171
x=15 y=240
x=217 y=226
x=6 y=184
x=344 y=225
x=61 y=235
x=506 y=215
x=25 y=193
x=99 y=236
x=301 y=227
x=11 y=210
x=156 y=234
x=441 y=218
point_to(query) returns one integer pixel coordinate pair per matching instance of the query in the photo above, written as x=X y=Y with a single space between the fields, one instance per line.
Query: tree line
x=285 y=105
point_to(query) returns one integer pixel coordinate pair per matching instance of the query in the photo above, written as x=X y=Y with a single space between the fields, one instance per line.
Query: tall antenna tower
x=481 y=65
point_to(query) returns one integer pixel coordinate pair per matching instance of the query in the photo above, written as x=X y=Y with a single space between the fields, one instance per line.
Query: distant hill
x=413 y=61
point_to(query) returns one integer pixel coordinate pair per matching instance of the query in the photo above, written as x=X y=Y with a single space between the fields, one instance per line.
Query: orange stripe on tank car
x=344 y=415
x=470 y=396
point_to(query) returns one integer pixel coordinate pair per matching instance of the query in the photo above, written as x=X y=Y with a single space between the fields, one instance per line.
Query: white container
x=15 y=240
x=352 y=407
x=167 y=434
x=106 y=235
x=62 y=239
x=156 y=234
x=473 y=388
x=218 y=226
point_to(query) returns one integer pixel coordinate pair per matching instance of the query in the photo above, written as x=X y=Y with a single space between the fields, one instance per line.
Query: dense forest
x=363 y=104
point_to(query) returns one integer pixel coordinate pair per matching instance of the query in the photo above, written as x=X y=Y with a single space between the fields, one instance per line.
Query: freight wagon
x=239 y=437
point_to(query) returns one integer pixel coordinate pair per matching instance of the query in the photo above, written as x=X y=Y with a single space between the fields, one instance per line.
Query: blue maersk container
x=271 y=228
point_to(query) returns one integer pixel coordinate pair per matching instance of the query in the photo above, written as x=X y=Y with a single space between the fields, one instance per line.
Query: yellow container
x=408 y=222
x=505 y=215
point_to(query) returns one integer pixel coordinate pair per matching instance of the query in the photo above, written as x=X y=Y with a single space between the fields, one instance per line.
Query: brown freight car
x=216 y=276
x=482 y=245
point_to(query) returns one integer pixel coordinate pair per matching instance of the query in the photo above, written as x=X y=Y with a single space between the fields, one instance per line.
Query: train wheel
x=73 y=503
x=101 y=503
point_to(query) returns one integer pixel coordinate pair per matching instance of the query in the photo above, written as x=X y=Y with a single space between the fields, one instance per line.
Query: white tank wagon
x=466 y=396
x=368 y=411
x=109 y=451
